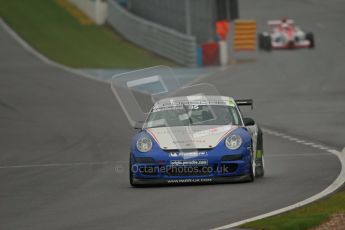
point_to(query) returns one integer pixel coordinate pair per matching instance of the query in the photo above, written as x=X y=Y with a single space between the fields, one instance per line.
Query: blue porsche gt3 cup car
x=196 y=139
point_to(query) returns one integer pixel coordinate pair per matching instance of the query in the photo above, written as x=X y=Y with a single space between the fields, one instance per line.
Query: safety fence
x=161 y=40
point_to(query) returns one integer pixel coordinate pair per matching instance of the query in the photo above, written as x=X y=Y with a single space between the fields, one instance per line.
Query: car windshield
x=192 y=115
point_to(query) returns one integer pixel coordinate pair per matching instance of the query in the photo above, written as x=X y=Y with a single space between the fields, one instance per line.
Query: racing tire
x=251 y=177
x=267 y=43
x=260 y=168
x=259 y=159
x=310 y=38
x=251 y=174
x=260 y=41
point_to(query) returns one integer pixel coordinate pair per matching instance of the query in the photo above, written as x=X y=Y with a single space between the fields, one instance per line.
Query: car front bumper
x=209 y=180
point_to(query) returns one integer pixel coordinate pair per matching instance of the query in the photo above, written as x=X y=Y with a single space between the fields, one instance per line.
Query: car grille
x=144 y=160
x=236 y=157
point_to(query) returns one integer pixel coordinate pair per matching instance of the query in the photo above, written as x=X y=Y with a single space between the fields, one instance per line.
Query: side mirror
x=248 y=121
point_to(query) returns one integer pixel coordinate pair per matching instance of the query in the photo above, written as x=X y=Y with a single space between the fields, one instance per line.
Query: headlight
x=144 y=144
x=233 y=142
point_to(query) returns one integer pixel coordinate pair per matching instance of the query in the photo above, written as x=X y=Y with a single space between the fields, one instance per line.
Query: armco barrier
x=244 y=35
x=161 y=40
x=95 y=9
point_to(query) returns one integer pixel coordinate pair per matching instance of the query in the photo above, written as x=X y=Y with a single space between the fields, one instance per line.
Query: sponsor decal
x=259 y=154
x=192 y=104
x=213 y=131
x=187 y=155
x=188 y=162
x=202 y=153
x=159 y=108
x=188 y=142
x=194 y=180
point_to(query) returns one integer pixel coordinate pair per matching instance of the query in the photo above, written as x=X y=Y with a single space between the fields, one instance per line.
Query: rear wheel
x=259 y=157
x=260 y=167
x=260 y=41
x=310 y=38
x=264 y=41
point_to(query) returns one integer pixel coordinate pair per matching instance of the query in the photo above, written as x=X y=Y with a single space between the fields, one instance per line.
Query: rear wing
x=245 y=102
x=278 y=22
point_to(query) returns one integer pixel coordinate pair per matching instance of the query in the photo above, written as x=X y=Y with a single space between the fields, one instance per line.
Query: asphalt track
x=64 y=139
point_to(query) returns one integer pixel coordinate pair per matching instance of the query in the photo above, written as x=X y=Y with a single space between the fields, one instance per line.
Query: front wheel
x=310 y=38
x=251 y=176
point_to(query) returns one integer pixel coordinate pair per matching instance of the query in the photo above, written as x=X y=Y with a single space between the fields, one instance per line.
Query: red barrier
x=210 y=53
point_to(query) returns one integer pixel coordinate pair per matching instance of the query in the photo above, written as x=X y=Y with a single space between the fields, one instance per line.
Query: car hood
x=190 y=137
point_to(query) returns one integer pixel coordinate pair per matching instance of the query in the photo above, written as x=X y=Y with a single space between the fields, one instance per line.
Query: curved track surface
x=64 y=142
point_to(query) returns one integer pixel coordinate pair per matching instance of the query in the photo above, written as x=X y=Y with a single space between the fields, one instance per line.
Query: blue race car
x=196 y=139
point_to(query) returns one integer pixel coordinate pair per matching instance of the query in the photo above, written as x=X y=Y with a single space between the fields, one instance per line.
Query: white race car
x=284 y=34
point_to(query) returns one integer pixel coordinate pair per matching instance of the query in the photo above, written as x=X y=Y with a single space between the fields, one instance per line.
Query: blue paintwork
x=214 y=155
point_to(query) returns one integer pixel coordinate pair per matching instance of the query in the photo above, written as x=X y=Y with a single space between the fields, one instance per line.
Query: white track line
x=297 y=155
x=298 y=140
x=337 y=183
x=41 y=57
x=69 y=164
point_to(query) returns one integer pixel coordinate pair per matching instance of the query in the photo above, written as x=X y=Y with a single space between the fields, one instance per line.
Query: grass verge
x=54 y=32
x=305 y=217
